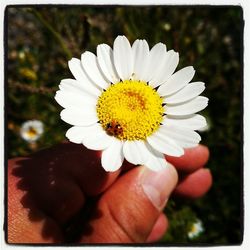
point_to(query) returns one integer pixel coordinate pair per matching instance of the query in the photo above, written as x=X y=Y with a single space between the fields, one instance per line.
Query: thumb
x=129 y=209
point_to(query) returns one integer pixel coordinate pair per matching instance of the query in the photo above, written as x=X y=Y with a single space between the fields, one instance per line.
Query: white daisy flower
x=31 y=130
x=128 y=102
x=196 y=229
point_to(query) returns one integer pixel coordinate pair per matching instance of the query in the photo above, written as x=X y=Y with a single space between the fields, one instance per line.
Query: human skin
x=62 y=194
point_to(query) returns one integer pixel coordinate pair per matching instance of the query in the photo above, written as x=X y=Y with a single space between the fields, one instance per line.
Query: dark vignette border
x=5 y=226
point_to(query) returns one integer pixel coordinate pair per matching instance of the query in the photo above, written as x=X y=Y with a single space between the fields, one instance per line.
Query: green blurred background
x=41 y=40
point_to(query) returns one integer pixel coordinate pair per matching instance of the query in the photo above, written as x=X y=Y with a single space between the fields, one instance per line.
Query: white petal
x=75 y=86
x=112 y=157
x=76 y=69
x=164 y=144
x=190 y=91
x=170 y=65
x=177 y=81
x=135 y=152
x=106 y=62
x=168 y=68
x=78 y=72
x=91 y=136
x=182 y=136
x=156 y=160
x=139 y=152
x=71 y=85
x=76 y=134
x=91 y=67
x=141 y=59
x=157 y=58
x=187 y=108
x=69 y=99
x=79 y=117
x=123 y=57
x=98 y=139
x=194 y=122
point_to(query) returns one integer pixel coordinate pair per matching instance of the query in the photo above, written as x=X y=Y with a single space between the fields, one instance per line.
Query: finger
x=194 y=185
x=26 y=227
x=80 y=164
x=126 y=166
x=193 y=159
x=57 y=179
x=129 y=209
x=159 y=229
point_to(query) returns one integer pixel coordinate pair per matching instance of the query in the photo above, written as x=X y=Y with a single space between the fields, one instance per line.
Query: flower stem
x=57 y=36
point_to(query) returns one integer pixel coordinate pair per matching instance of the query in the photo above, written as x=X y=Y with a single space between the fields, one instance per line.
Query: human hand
x=62 y=194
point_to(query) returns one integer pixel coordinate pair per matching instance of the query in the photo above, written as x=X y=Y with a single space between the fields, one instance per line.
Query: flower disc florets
x=130 y=110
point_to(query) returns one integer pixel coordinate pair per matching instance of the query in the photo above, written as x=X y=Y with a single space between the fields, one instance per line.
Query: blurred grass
x=41 y=40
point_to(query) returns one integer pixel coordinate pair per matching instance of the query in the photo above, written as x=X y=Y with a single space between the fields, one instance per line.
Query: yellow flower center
x=193 y=228
x=31 y=133
x=130 y=110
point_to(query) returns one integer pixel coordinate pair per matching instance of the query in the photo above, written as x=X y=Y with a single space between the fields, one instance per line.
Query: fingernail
x=158 y=186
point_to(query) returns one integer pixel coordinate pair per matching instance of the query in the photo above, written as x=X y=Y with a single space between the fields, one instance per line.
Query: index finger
x=193 y=159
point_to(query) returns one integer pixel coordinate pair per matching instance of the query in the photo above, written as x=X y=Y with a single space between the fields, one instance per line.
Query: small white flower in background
x=167 y=26
x=196 y=229
x=31 y=130
x=128 y=102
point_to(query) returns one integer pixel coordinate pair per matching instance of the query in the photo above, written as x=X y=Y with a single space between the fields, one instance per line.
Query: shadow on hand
x=62 y=184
